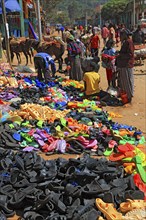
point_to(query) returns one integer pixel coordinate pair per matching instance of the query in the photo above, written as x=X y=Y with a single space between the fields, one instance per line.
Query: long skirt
x=76 y=72
x=126 y=81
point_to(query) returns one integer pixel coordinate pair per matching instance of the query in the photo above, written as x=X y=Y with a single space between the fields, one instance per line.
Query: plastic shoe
x=136 y=214
x=140 y=168
x=17 y=137
x=32 y=215
x=129 y=205
x=28 y=138
x=61 y=146
x=108 y=210
x=3 y=205
x=40 y=124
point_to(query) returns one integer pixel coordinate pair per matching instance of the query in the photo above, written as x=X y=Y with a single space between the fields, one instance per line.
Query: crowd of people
x=85 y=45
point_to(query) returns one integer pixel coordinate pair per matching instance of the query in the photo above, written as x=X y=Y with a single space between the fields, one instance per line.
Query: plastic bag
x=113 y=91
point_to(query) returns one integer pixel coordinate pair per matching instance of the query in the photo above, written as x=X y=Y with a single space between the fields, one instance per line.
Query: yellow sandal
x=108 y=210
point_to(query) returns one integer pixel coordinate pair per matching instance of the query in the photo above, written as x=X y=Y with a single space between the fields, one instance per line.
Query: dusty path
x=134 y=113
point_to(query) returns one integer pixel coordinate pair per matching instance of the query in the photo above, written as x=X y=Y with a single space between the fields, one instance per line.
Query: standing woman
x=94 y=43
x=74 y=52
x=125 y=64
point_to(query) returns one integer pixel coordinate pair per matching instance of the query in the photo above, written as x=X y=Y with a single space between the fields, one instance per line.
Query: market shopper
x=125 y=63
x=112 y=33
x=74 y=61
x=43 y=62
x=138 y=36
x=94 y=44
x=104 y=34
x=108 y=61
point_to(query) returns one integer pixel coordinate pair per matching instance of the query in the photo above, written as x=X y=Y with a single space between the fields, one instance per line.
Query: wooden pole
x=39 y=20
x=134 y=13
x=22 y=19
x=6 y=32
x=0 y=46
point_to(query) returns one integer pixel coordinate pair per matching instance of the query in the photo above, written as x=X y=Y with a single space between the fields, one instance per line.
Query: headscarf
x=71 y=37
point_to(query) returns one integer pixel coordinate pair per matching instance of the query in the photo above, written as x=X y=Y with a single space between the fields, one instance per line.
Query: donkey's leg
x=31 y=50
x=12 y=56
x=25 y=54
x=29 y=56
x=61 y=63
x=18 y=58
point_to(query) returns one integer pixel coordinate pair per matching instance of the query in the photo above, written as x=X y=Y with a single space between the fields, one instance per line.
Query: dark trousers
x=102 y=95
x=94 y=52
x=40 y=65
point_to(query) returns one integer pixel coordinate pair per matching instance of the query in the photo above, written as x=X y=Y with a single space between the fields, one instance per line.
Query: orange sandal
x=108 y=210
x=132 y=204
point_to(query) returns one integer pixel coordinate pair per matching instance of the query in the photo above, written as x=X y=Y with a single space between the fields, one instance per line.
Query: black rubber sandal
x=3 y=206
x=33 y=216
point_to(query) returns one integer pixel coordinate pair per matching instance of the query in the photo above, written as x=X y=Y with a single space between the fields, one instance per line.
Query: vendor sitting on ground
x=92 y=88
x=42 y=62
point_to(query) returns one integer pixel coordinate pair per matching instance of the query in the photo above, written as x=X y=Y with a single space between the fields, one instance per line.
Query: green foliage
x=113 y=9
x=62 y=18
x=49 y=4
x=73 y=8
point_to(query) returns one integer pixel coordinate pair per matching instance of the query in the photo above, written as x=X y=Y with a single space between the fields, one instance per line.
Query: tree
x=49 y=4
x=62 y=18
x=73 y=10
x=113 y=9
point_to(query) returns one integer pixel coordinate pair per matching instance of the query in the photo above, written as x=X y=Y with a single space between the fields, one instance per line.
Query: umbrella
x=11 y=6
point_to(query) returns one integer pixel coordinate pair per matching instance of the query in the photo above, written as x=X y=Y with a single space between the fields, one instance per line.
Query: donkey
x=17 y=46
x=52 y=48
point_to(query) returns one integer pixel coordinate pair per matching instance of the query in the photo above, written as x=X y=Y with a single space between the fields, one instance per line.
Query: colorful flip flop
x=120 y=156
x=108 y=151
x=140 y=168
x=139 y=183
x=126 y=147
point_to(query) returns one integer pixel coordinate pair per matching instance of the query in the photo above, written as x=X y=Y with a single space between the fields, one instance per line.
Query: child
x=92 y=88
x=91 y=81
x=108 y=61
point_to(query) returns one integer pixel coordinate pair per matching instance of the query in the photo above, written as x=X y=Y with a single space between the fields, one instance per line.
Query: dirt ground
x=133 y=114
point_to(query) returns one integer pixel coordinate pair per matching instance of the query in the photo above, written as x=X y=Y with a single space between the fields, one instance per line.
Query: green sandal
x=108 y=151
x=140 y=168
x=25 y=124
x=40 y=123
x=28 y=138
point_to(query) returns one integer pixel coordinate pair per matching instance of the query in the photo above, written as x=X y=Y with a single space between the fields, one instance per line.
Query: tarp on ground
x=11 y=6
